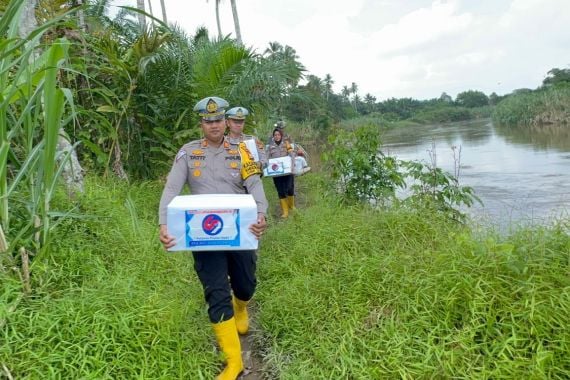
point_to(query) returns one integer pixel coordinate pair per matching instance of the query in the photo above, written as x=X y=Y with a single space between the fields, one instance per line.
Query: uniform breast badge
x=180 y=154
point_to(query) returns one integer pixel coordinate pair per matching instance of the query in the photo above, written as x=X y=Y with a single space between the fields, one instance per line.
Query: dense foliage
x=361 y=172
x=546 y=105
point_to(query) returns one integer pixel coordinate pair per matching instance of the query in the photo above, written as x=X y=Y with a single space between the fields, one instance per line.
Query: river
x=522 y=175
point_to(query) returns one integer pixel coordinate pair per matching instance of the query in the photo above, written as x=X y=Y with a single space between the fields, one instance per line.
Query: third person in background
x=285 y=185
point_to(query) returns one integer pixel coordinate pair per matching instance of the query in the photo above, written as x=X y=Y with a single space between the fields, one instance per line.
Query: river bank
x=343 y=291
x=519 y=173
x=540 y=107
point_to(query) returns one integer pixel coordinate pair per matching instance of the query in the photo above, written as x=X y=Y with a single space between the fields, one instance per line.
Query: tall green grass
x=343 y=293
x=32 y=108
x=534 y=108
x=108 y=302
x=348 y=293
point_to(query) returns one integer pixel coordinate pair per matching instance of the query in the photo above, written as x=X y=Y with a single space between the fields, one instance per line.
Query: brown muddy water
x=522 y=175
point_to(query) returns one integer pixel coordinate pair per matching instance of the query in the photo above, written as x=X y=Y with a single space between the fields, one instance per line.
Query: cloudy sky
x=401 y=48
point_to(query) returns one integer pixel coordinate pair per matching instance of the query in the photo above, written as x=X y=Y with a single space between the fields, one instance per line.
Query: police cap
x=238 y=113
x=211 y=108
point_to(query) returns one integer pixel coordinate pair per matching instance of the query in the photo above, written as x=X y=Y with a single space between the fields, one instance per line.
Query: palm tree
x=217 y=2
x=328 y=82
x=370 y=101
x=287 y=56
x=274 y=49
x=315 y=84
x=345 y=92
x=236 y=22
x=163 y=7
x=140 y=6
x=150 y=10
x=354 y=90
x=356 y=101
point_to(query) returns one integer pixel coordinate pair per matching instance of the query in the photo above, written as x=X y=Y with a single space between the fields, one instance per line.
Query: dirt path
x=252 y=358
x=252 y=361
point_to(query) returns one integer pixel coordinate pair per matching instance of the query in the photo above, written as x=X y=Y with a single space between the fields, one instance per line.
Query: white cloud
x=421 y=26
x=394 y=48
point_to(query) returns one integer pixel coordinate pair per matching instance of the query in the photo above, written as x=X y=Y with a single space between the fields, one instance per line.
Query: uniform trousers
x=285 y=186
x=222 y=272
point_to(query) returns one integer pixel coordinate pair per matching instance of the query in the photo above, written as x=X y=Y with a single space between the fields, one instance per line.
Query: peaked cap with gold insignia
x=211 y=108
x=238 y=113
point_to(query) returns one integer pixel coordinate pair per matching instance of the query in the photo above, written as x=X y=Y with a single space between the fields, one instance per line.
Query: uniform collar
x=225 y=144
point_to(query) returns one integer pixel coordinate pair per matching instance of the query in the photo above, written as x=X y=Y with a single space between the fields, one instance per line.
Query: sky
x=400 y=48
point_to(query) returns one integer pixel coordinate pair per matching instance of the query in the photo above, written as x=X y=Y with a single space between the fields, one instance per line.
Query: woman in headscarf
x=285 y=185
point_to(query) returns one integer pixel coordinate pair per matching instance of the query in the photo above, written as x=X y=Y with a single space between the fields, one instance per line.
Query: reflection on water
x=522 y=175
x=544 y=137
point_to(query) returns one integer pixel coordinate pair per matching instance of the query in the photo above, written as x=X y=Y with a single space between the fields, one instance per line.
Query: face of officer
x=277 y=136
x=235 y=126
x=213 y=130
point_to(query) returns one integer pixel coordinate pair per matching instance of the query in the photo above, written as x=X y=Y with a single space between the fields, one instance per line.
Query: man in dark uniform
x=214 y=166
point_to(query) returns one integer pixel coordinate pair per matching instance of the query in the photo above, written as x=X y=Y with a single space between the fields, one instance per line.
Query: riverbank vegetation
x=544 y=106
x=343 y=291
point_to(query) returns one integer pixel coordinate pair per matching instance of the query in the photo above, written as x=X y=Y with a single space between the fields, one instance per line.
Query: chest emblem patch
x=180 y=154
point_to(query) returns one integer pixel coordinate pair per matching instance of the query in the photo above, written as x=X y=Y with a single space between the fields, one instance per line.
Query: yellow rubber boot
x=291 y=202
x=228 y=339
x=240 y=315
x=284 y=208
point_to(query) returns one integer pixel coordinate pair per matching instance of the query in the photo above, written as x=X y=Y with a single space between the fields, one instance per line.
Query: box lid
x=207 y=201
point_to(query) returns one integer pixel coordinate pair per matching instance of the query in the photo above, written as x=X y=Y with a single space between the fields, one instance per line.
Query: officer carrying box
x=212 y=165
x=235 y=120
x=285 y=185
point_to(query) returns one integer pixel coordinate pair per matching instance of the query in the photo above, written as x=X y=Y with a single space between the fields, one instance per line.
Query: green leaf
x=107 y=108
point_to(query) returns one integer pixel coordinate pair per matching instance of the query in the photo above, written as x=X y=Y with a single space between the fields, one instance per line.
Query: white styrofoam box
x=212 y=222
x=278 y=167
x=301 y=166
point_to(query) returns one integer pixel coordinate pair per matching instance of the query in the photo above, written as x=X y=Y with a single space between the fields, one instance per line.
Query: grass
x=352 y=293
x=535 y=108
x=344 y=292
x=109 y=302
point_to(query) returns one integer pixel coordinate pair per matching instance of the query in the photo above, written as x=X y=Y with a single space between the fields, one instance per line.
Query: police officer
x=285 y=185
x=235 y=120
x=280 y=124
x=214 y=166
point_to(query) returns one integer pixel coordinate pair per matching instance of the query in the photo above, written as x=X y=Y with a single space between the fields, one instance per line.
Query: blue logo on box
x=211 y=228
x=212 y=224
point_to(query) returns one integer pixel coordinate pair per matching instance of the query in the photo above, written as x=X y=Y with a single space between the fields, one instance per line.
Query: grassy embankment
x=429 y=115
x=535 y=108
x=344 y=292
